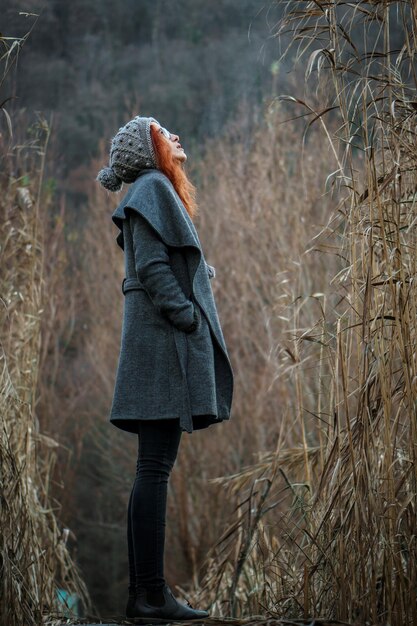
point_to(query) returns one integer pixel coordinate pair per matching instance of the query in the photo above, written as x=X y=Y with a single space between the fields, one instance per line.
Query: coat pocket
x=197 y=315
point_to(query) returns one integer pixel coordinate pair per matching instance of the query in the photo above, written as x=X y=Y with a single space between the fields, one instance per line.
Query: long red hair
x=173 y=169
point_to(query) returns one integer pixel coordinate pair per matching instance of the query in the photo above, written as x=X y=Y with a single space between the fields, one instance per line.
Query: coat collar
x=154 y=197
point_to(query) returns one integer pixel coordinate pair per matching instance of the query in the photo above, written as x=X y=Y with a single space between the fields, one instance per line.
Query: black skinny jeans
x=158 y=442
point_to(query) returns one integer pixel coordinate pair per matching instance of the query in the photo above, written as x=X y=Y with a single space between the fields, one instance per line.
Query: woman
x=174 y=373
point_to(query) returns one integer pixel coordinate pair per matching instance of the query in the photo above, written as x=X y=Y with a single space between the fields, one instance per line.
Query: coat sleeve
x=154 y=271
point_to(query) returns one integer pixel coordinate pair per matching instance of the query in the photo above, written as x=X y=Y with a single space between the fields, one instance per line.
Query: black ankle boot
x=155 y=598
x=172 y=610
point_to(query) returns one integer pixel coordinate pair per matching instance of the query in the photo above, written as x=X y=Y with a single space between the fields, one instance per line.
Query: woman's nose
x=174 y=137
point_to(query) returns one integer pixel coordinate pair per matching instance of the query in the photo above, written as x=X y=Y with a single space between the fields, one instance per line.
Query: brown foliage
x=36 y=561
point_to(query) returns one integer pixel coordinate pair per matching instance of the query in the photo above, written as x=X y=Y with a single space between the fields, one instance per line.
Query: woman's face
x=174 y=143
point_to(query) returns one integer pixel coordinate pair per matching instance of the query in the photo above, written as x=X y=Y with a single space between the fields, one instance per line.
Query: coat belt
x=131 y=283
x=186 y=420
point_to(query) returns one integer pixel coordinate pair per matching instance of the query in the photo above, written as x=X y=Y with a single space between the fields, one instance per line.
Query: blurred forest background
x=299 y=123
x=189 y=63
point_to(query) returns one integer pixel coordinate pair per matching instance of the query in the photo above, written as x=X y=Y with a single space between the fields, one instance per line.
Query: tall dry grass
x=306 y=243
x=35 y=558
x=325 y=523
x=314 y=253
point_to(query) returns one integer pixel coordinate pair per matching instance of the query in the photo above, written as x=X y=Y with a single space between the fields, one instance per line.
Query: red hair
x=172 y=168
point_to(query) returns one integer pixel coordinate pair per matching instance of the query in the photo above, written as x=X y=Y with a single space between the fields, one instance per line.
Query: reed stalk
x=343 y=534
x=36 y=564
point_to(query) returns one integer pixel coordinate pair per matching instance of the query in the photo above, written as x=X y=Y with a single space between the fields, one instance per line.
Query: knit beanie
x=131 y=151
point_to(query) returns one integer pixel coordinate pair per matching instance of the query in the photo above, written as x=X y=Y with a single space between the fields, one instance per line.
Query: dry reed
x=316 y=305
x=341 y=541
x=35 y=560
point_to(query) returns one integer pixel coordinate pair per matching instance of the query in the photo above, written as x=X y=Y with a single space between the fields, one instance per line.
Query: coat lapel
x=161 y=206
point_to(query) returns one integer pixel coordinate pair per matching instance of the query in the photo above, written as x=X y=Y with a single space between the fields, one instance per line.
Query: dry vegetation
x=35 y=557
x=35 y=560
x=304 y=504
x=325 y=524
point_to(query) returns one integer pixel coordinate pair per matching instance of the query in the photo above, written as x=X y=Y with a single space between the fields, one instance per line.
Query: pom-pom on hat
x=131 y=151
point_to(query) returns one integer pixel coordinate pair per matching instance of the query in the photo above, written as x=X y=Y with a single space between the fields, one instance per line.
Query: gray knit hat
x=131 y=151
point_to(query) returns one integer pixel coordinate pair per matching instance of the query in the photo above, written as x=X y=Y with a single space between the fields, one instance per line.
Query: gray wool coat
x=164 y=370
